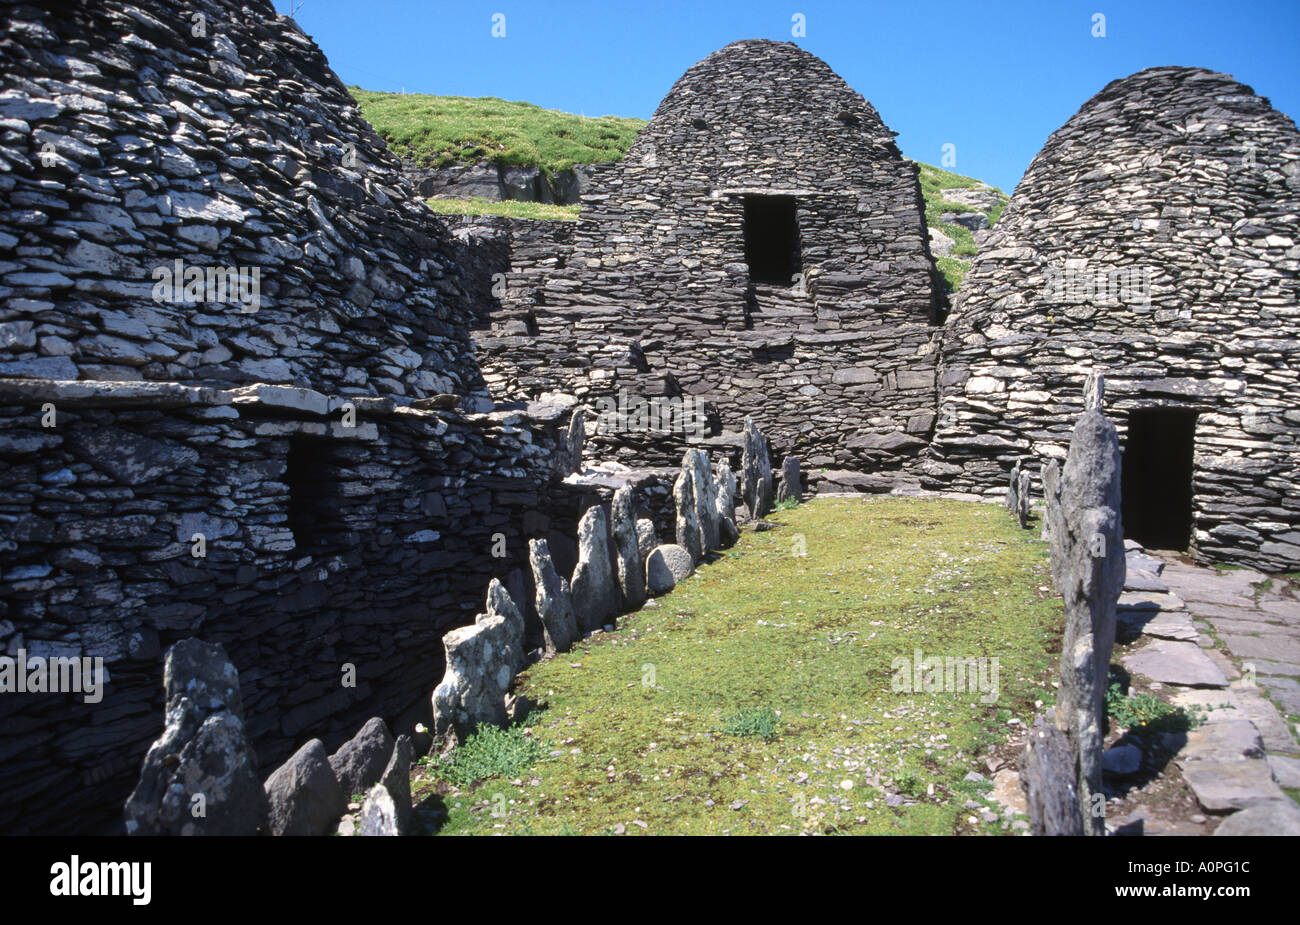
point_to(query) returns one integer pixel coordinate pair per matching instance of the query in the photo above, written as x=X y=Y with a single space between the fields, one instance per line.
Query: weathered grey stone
x=1275 y=817
x=1172 y=662
x=706 y=502
x=755 y=472
x=304 y=794
x=553 y=601
x=724 y=492
x=688 y=519
x=595 y=592
x=577 y=439
x=359 y=762
x=397 y=781
x=631 y=567
x=666 y=566
x=378 y=813
x=790 y=488
x=200 y=776
x=1050 y=779
x=473 y=688
x=1087 y=545
x=646 y=539
x=1121 y=760
x=501 y=604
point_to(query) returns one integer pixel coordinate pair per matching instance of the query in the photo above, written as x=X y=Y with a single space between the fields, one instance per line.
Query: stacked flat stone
x=1190 y=177
x=653 y=294
x=326 y=451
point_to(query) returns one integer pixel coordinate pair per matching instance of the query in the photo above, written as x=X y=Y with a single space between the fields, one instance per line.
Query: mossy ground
x=632 y=724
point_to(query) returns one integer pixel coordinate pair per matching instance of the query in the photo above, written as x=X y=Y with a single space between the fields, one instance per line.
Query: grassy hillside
x=439 y=131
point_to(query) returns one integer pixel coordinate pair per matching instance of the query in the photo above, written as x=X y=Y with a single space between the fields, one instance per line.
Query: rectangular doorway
x=1156 y=480
x=772 y=240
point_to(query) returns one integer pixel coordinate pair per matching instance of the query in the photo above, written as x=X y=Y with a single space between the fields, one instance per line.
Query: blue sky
x=992 y=78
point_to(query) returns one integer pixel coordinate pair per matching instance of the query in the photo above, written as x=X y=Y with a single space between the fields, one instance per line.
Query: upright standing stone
x=1052 y=509
x=1012 y=503
x=756 y=472
x=1049 y=778
x=554 y=603
x=576 y=439
x=724 y=494
x=595 y=592
x=360 y=760
x=688 y=516
x=203 y=759
x=1088 y=564
x=304 y=794
x=1094 y=392
x=646 y=538
x=631 y=567
x=473 y=690
x=397 y=781
x=706 y=505
x=501 y=604
x=789 y=489
x=1023 y=509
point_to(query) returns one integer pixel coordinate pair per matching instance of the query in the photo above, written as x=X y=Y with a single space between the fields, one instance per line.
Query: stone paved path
x=1228 y=645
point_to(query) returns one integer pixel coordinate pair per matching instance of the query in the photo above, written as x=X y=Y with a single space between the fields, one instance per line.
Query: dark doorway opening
x=772 y=240
x=313 y=491
x=1157 y=477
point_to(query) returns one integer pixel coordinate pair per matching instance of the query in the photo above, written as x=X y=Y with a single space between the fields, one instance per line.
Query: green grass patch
x=438 y=131
x=635 y=723
x=953 y=270
x=489 y=753
x=1144 y=713
x=752 y=723
x=511 y=207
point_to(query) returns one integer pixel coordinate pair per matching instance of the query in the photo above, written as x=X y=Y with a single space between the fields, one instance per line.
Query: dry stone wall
x=1155 y=238
x=147 y=142
x=302 y=471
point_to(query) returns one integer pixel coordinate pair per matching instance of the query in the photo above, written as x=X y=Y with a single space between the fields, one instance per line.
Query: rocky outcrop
x=200 y=776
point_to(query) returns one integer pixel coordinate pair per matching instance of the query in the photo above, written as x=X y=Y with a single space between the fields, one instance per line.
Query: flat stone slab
x=1230 y=740
x=1286 y=770
x=1158 y=623
x=1149 y=600
x=1171 y=662
x=1275 y=647
x=1139 y=580
x=1222 y=786
x=1246 y=627
x=1285 y=691
x=1288 y=611
x=1266 y=666
x=1281 y=818
x=1141 y=561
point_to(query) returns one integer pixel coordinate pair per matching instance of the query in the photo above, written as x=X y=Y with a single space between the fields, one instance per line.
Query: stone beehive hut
x=1156 y=237
x=762 y=248
x=288 y=475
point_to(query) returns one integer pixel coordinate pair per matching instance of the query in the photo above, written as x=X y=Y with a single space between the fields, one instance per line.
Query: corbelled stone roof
x=1155 y=237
